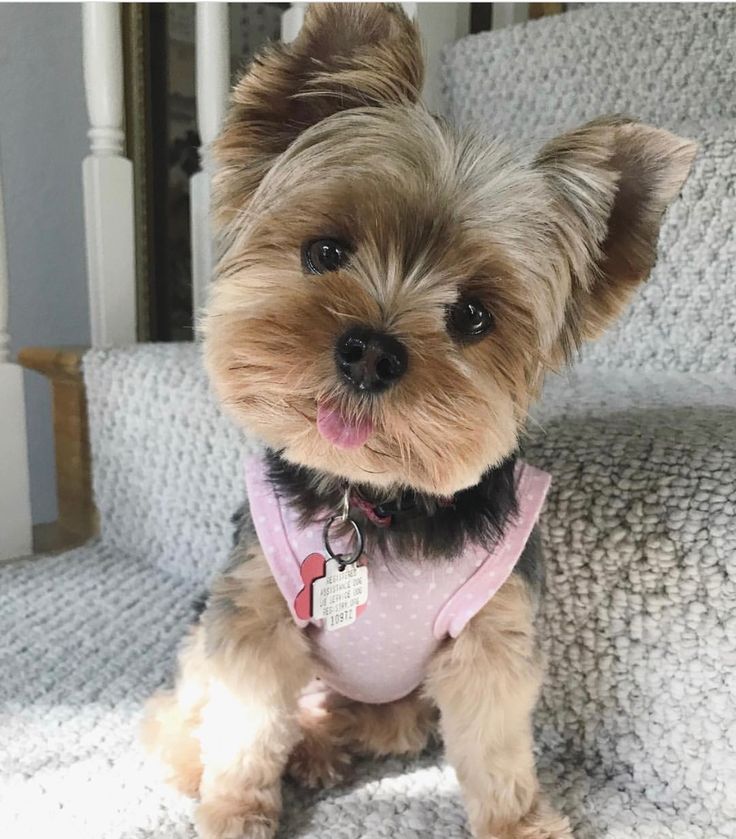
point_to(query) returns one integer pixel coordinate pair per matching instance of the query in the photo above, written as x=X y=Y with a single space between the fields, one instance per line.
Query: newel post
x=108 y=182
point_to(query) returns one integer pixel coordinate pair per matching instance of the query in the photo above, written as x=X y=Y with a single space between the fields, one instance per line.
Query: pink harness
x=412 y=605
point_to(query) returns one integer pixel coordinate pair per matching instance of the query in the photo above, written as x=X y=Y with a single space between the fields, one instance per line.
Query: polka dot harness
x=412 y=605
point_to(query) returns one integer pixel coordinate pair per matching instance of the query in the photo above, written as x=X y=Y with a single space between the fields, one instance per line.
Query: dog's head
x=391 y=291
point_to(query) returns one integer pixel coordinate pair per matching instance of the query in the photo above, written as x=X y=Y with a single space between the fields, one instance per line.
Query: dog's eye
x=324 y=255
x=469 y=319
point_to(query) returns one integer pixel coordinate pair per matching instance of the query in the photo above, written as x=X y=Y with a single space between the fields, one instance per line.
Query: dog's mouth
x=342 y=431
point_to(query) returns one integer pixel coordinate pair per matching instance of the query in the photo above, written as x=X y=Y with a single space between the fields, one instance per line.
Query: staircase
x=634 y=725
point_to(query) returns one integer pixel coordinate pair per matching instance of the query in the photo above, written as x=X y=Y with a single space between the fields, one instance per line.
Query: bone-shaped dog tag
x=339 y=596
x=333 y=591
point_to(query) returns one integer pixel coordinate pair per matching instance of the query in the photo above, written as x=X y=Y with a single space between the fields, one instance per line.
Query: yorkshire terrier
x=390 y=294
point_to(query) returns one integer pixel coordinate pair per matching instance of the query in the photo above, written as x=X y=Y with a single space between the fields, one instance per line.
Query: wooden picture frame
x=162 y=142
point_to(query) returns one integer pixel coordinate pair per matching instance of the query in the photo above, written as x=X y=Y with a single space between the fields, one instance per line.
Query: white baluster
x=108 y=182
x=509 y=14
x=212 y=46
x=292 y=20
x=440 y=24
x=15 y=498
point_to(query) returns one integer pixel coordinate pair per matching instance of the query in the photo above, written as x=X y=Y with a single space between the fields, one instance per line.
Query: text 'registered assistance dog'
x=390 y=294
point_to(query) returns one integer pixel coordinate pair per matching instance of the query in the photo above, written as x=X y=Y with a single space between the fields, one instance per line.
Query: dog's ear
x=346 y=55
x=612 y=180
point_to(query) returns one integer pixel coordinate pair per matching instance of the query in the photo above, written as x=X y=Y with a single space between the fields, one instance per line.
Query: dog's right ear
x=346 y=55
x=612 y=180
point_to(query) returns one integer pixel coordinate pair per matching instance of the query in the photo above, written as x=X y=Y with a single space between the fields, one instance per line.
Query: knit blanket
x=635 y=730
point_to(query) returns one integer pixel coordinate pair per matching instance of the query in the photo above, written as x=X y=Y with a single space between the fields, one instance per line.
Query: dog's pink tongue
x=341 y=432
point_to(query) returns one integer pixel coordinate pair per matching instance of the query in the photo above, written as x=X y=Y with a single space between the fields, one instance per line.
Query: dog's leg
x=259 y=662
x=396 y=728
x=321 y=758
x=338 y=728
x=486 y=684
x=172 y=717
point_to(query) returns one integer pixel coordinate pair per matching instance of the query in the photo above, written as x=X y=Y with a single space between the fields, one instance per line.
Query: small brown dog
x=390 y=296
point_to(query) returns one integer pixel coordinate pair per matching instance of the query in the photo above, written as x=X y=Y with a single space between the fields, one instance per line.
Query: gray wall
x=42 y=142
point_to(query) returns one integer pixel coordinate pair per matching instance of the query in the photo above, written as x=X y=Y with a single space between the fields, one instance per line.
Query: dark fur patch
x=423 y=525
x=199 y=605
x=243 y=525
x=531 y=563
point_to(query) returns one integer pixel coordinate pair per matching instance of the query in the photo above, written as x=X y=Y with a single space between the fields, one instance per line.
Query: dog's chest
x=384 y=654
x=412 y=605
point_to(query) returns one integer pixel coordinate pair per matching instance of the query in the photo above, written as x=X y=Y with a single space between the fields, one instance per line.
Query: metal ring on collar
x=356 y=553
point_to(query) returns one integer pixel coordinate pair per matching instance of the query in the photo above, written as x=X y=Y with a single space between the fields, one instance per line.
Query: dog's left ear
x=347 y=55
x=612 y=180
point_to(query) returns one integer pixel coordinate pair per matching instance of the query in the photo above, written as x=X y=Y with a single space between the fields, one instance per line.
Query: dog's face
x=391 y=291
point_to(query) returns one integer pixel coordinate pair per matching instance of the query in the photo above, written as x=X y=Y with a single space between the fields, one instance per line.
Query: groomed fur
x=553 y=248
x=326 y=138
x=486 y=684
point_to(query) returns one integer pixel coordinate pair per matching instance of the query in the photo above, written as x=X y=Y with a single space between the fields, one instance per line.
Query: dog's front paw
x=226 y=818
x=541 y=822
x=315 y=763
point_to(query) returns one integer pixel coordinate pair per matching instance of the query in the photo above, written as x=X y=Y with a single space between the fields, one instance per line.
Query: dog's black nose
x=371 y=361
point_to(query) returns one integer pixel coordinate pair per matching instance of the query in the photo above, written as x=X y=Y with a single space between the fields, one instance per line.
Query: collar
x=383 y=514
x=436 y=528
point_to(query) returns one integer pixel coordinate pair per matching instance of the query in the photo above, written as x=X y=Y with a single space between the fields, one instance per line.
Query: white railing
x=108 y=174
x=15 y=499
x=509 y=14
x=212 y=49
x=108 y=182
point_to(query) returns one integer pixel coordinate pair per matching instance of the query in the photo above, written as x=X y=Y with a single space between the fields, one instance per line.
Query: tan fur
x=553 y=248
x=348 y=55
x=339 y=728
x=402 y=727
x=615 y=178
x=246 y=673
x=486 y=684
x=172 y=718
x=225 y=732
x=326 y=137
x=321 y=758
